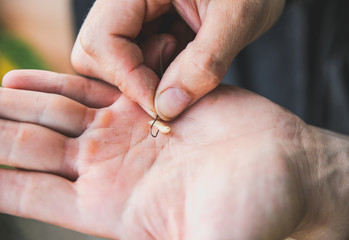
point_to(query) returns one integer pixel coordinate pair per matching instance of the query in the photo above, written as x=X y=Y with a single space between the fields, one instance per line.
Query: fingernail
x=172 y=102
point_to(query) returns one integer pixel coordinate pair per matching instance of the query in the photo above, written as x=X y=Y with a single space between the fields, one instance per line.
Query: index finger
x=107 y=36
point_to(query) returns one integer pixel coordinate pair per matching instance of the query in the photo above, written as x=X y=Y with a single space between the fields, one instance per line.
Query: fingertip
x=192 y=75
x=9 y=80
x=147 y=110
x=140 y=86
x=168 y=51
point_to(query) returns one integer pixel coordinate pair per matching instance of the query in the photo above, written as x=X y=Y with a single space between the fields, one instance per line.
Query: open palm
x=225 y=171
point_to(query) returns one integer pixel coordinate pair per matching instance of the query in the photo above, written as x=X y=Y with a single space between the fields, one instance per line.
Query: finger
x=227 y=27
x=33 y=147
x=88 y=92
x=39 y=196
x=53 y=111
x=110 y=44
x=157 y=51
x=84 y=63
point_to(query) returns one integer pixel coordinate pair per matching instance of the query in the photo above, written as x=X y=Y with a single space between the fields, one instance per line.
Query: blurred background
x=37 y=34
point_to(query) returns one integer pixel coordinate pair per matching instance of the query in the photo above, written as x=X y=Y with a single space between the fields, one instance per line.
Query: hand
x=121 y=43
x=233 y=167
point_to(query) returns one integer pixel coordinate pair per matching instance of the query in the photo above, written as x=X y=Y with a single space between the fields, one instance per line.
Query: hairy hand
x=86 y=161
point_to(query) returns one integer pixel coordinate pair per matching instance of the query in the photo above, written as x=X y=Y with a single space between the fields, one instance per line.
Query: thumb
x=227 y=27
x=190 y=76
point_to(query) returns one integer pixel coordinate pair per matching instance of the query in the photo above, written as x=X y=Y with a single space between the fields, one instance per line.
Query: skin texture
x=121 y=41
x=234 y=166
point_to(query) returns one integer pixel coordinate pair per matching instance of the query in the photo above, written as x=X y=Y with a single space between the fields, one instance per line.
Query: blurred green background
x=15 y=54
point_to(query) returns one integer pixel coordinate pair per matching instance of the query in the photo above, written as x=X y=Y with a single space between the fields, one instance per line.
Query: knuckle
x=211 y=66
x=88 y=40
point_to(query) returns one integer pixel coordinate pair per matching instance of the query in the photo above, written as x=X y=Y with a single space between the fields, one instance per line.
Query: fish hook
x=151 y=128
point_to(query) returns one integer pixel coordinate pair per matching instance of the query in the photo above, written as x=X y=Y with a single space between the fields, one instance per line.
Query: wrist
x=325 y=178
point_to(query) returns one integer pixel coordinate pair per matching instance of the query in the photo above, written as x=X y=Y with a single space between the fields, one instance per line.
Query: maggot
x=160 y=126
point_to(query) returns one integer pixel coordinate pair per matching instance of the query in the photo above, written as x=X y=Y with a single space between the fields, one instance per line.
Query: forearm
x=326 y=182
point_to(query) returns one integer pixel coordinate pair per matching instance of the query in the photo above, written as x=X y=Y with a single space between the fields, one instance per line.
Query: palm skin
x=227 y=169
